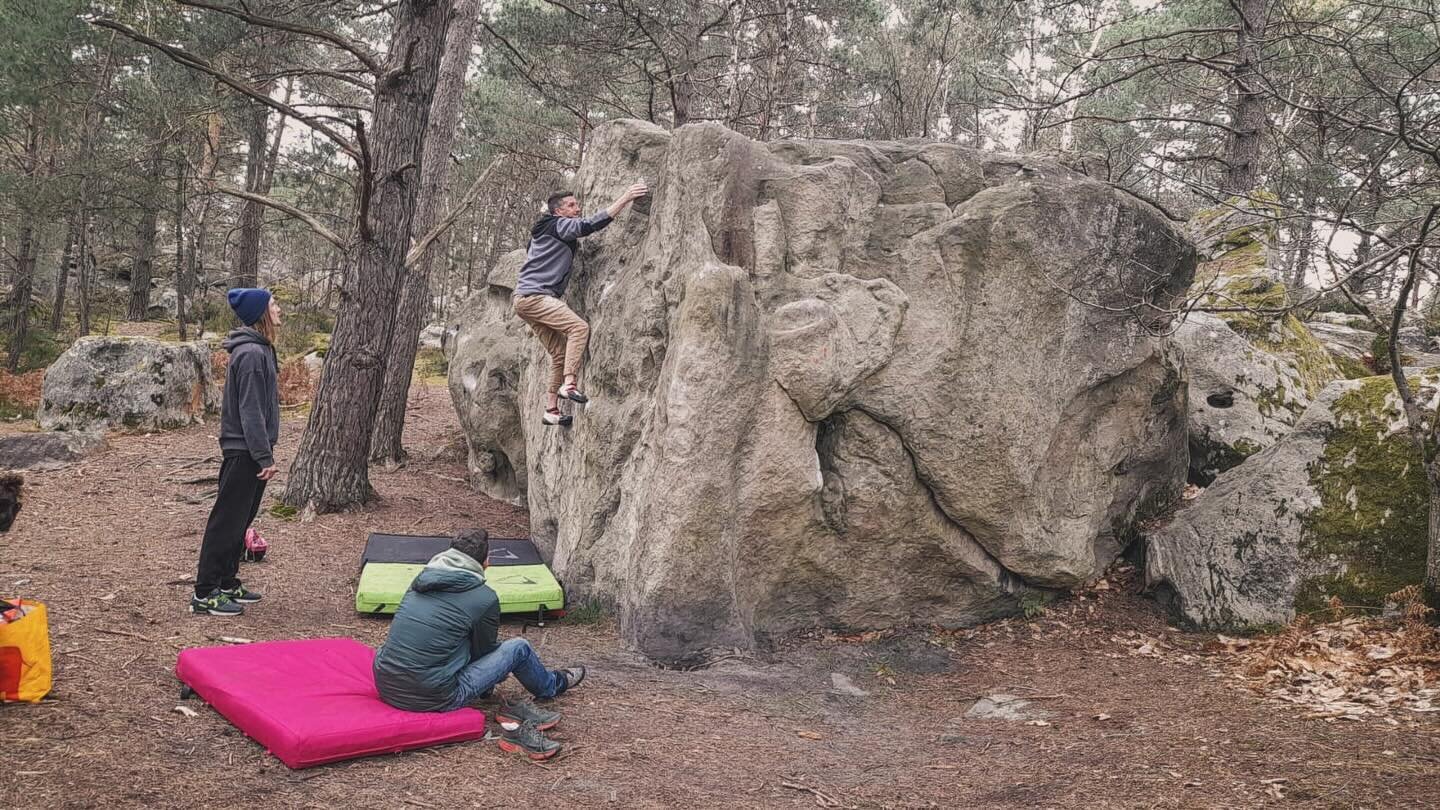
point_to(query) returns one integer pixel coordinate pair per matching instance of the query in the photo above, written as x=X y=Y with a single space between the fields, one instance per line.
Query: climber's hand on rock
x=637 y=191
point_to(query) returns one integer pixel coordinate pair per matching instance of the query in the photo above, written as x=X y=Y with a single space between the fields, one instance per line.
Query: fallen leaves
x=1351 y=669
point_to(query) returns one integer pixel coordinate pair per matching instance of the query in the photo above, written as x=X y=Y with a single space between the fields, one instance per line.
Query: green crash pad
x=521 y=588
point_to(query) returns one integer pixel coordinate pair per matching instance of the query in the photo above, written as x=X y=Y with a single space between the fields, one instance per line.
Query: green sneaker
x=241 y=594
x=218 y=603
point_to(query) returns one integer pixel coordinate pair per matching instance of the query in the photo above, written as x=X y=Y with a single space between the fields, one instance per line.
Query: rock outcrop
x=837 y=383
x=46 y=451
x=128 y=383
x=1338 y=507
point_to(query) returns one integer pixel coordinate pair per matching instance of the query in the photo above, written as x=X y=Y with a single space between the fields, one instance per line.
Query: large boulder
x=837 y=383
x=1338 y=507
x=129 y=383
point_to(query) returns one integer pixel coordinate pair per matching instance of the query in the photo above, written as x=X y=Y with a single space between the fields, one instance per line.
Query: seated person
x=442 y=653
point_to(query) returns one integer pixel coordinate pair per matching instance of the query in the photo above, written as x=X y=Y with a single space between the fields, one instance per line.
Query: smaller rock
x=433 y=336
x=313 y=362
x=842 y=685
x=46 y=451
x=1005 y=707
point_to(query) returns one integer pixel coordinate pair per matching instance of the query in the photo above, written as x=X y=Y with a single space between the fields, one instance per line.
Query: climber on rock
x=543 y=279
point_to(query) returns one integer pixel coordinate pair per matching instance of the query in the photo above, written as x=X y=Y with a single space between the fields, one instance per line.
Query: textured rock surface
x=1253 y=367
x=128 y=383
x=1242 y=398
x=836 y=383
x=1338 y=507
x=46 y=451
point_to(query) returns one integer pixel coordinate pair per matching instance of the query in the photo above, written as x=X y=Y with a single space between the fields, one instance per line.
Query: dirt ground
x=111 y=544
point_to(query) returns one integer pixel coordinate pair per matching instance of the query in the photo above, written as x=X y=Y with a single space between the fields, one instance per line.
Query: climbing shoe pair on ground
x=523 y=724
x=552 y=416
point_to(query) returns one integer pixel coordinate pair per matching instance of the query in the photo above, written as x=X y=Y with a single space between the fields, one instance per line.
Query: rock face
x=1242 y=398
x=1252 y=373
x=836 y=383
x=46 y=451
x=1338 y=507
x=127 y=383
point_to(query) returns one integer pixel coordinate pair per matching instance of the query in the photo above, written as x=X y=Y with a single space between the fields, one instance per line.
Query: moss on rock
x=1370 y=528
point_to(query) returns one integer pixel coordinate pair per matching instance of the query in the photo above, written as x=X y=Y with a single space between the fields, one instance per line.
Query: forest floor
x=1138 y=714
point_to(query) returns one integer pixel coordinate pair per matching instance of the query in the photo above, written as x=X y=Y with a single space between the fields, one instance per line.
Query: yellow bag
x=24 y=651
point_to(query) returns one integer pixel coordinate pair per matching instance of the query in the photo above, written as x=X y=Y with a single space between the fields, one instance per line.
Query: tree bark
x=62 y=274
x=87 y=269
x=141 y=267
x=23 y=281
x=182 y=287
x=1247 y=120
x=245 y=272
x=386 y=445
x=20 y=293
x=331 y=467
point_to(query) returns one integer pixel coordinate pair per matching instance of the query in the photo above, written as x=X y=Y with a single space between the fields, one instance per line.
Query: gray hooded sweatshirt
x=250 y=410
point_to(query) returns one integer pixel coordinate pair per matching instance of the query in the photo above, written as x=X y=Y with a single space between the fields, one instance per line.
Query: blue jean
x=515 y=656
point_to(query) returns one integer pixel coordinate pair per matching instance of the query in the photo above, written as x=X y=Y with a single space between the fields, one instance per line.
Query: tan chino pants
x=564 y=334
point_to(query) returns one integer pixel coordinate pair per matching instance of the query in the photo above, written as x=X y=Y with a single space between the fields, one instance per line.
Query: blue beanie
x=249 y=303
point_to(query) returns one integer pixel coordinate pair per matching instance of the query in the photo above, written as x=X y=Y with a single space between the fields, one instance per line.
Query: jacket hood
x=538 y=229
x=239 y=337
x=450 y=570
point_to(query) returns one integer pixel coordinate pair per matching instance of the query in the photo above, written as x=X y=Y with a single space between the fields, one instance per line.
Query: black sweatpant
x=236 y=504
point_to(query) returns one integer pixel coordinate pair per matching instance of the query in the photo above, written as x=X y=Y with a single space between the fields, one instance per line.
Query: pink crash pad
x=314 y=701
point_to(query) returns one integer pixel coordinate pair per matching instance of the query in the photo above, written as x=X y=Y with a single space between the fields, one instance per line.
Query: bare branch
x=418 y=250
x=286 y=208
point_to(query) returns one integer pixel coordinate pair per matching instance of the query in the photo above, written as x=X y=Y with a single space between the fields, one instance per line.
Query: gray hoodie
x=250 y=410
x=551 y=252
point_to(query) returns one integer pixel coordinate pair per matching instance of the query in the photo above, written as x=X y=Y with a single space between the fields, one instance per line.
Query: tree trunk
x=1432 y=558
x=141 y=268
x=87 y=270
x=386 y=446
x=331 y=468
x=182 y=288
x=245 y=272
x=1247 y=119
x=23 y=283
x=62 y=275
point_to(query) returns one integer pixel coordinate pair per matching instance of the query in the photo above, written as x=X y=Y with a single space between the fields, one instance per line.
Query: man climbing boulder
x=538 y=296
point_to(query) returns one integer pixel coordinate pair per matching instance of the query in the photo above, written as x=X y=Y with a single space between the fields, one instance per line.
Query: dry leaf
x=1102 y=716
x=187 y=711
x=809 y=735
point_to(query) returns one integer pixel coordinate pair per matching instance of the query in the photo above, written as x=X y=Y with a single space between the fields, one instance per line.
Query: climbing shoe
x=522 y=712
x=241 y=594
x=570 y=392
x=216 y=604
x=528 y=740
x=554 y=417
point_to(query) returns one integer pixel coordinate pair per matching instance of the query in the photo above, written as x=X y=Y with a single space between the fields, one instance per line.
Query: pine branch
x=187 y=59
x=355 y=49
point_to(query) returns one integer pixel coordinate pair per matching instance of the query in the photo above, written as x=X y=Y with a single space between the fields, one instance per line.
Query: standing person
x=543 y=279
x=249 y=429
